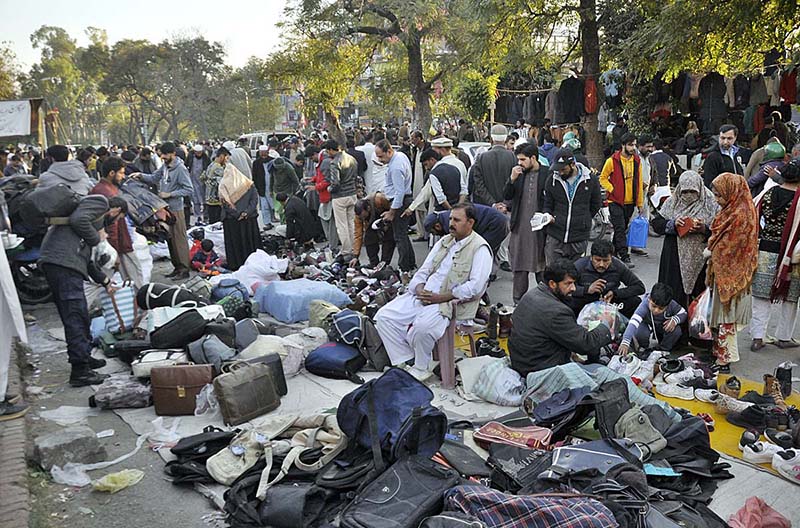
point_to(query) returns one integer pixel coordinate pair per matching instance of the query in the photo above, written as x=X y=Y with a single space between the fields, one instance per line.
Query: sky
x=244 y=30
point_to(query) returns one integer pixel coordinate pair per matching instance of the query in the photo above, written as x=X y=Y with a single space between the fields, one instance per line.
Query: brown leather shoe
x=772 y=387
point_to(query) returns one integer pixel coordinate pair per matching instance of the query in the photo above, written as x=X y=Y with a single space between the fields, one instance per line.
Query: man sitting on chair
x=457 y=268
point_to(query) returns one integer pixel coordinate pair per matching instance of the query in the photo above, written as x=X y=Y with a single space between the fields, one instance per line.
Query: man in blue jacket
x=490 y=223
x=174 y=184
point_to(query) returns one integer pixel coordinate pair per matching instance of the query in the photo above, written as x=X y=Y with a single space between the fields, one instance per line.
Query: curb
x=14 y=496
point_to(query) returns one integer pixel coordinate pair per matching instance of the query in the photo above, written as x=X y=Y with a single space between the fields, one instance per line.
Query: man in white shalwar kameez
x=457 y=267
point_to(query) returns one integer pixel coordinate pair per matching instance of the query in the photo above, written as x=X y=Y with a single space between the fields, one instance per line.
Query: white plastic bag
x=206 y=403
x=69 y=415
x=498 y=383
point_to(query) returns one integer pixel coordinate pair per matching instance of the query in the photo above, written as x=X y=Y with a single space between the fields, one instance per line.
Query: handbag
x=273 y=361
x=179 y=332
x=210 y=350
x=150 y=359
x=245 y=391
x=128 y=350
x=635 y=425
x=336 y=361
x=198 y=286
x=409 y=491
x=225 y=329
x=601 y=455
x=176 y=388
x=531 y=437
x=119 y=309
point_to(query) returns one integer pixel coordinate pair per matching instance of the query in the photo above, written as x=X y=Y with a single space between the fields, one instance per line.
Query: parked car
x=254 y=138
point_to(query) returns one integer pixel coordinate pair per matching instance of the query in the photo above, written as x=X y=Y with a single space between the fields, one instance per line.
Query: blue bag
x=336 y=361
x=393 y=416
x=288 y=301
x=228 y=287
x=637 y=233
x=346 y=327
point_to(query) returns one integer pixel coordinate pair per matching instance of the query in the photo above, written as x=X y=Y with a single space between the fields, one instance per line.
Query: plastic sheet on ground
x=69 y=414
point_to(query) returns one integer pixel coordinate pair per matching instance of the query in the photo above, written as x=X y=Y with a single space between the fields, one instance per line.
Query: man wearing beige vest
x=457 y=268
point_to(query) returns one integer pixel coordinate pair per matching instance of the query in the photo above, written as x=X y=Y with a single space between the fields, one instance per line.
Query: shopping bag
x=700 y=315
x=637 y=233
x=119 y=309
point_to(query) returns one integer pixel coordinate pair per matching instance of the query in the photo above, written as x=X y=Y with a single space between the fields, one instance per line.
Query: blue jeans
x=67 y=287
x=267 y=209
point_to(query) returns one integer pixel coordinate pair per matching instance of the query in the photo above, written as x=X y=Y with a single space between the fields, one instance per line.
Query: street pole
x=247 y=105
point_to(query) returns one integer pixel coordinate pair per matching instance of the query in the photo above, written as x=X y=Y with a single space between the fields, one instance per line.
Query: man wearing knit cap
x=490 y=172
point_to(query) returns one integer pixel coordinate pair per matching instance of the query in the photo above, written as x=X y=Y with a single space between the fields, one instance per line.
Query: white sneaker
x=705 y=395
x=760 y=452
x=723 y=404
x=683 y=376
x=675 y=391
x=787 y=463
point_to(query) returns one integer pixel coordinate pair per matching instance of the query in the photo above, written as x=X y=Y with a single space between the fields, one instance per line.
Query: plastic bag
x=114 y=482
x=637 y=233
x=206 y=403
x=69 y=414
x=699 y=317
x=600 y=312
x=499 y=384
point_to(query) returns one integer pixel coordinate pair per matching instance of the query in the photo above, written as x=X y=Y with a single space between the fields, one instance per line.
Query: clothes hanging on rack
x=550 y=102
x=758 y=90
x=590 y=96
x=730 y=94
x=788 y=87
x=570 y=97
x=741 y=89
x=711 y=92
x=694 y=85
x=773 y=83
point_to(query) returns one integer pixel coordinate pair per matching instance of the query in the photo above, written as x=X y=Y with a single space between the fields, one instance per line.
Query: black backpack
x=562 y=412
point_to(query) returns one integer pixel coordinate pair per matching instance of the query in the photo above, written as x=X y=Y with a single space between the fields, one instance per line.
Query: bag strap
x=120 y=320
x=372 y=420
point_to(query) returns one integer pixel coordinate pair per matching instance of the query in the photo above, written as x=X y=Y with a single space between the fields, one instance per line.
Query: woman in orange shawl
x=733 y=248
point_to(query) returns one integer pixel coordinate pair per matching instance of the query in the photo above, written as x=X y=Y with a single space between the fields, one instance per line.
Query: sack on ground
x=308 y=339
x=121 y=392
x=291 y=355
x=288 y=301
x=500 y=384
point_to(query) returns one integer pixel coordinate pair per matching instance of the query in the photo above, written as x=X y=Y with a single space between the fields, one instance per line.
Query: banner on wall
x=15 y=118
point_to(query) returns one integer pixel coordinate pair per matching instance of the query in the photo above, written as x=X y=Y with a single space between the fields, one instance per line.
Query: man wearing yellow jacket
x=622 y=179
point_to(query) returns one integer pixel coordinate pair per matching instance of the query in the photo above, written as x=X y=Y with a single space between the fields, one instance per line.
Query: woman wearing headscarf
x=685 y=221
x=733 y=252
x=780 y=217
x=239 y=201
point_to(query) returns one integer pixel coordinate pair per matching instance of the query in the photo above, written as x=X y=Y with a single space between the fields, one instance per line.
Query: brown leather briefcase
x=175 y=388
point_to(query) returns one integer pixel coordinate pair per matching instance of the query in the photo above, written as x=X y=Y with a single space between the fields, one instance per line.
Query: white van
x=254 y=138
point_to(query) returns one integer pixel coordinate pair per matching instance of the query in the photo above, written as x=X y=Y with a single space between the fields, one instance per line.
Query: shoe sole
x=15 y=399
x=690 y=398
x=14 y=416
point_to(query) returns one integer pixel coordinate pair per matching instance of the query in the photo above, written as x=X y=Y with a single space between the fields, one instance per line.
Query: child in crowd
x=206 y=260
x=658 y=315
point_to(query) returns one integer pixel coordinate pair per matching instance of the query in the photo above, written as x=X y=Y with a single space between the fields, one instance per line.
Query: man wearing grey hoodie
x=71 y=173
x=174 y=184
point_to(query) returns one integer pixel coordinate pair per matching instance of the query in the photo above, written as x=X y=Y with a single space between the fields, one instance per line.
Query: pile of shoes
x=781 y=449
x=685 y=378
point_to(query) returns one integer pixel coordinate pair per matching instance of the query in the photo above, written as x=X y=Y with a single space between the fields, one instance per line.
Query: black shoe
x=758 y=399
x=181 y=275
x=269 y=227
x=95 y=363
x=420 y=239
x=639 y=251
x=505 y=266
x=84 y=376
x=700 y=383
x=627 y=261
x=492 y=277
x=11 y=411
x=13 y=398
x=754 y=417
x=779 y=438
x=174 y=272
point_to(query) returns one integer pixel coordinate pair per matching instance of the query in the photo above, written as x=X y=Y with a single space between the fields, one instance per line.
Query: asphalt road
x=155 y=502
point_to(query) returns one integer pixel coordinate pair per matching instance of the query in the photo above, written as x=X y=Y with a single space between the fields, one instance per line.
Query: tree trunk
x=590 y=52
x=335 y=129
x=420 y=92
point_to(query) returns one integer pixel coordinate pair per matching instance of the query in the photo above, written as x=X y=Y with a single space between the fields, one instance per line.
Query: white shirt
x=433 y=280
x=371 y=182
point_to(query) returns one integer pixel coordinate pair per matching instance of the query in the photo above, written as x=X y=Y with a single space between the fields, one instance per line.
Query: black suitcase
x=179 y=332
x=409 y=491
x=129 y=349
x=273 y=361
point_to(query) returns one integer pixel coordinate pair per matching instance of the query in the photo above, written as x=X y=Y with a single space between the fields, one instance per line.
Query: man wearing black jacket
x=572 y=197
x=545 y=333
x=725 y=156
x=602 y=276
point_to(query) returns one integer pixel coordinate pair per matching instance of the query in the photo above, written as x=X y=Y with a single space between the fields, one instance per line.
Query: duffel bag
x=128 y=350
x=411 y=490
x=202 y=445
x=245 y=391
x=394 y=412
x=336 y=361
x=179 y=332
x=121 y=393
x=149 y=359
x=155 y=295
x=210 y=350
x=227 y=287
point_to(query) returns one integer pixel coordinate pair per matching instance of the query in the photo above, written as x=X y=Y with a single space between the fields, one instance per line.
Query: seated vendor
x=602 y=276
x=458 y=268
x=545 y=333
x=657 y=316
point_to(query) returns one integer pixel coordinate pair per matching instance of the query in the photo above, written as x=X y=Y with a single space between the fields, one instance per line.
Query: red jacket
x=321 y=184
x=618 y=179
x=118 y=235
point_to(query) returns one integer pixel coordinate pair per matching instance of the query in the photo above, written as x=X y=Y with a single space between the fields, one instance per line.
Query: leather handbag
x=245 y=391
x=175 y=388
x=598 y=454
x=149 y=359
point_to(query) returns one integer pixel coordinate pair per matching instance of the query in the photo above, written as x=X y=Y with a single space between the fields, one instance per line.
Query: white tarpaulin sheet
x=15 y=118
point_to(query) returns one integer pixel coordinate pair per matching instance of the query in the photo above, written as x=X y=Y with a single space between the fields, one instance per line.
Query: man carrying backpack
x=66 y=259
x=63 y=170
x=457 y=268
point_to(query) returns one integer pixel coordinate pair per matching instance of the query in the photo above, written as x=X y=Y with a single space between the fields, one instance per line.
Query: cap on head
x=263 y=148
x=230 y=145
x=444 y=142
x=274 y=154
x=198 y=147
x=563 y=158
x=499 y=133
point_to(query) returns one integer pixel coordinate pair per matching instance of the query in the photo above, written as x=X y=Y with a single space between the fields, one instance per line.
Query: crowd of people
x=475 y=211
